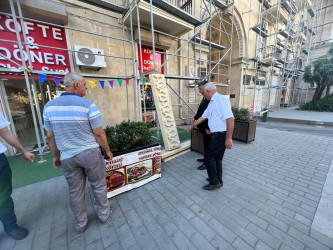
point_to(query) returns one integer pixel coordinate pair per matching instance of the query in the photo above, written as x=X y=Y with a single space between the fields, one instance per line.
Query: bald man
x=221 y=125
x=75 y=134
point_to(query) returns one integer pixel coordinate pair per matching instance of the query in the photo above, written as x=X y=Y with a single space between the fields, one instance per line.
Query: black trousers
x=206 y=138
x=214 y=153
x=7 y=214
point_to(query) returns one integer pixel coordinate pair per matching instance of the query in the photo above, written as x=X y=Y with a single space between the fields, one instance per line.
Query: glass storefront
x=15 y=103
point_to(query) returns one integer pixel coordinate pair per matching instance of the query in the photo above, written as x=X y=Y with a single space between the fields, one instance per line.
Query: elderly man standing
x=73 y=126
x=7 y=214
x=221 y=124
x=203 y=127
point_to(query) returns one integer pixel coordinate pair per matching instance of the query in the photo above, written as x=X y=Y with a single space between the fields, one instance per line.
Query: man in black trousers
x=221 y=124
x=203 y=127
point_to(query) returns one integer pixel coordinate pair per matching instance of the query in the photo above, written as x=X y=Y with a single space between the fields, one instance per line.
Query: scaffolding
x=285 y=36
x=211 y=33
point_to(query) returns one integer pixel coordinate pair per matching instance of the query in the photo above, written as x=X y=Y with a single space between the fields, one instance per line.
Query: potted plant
x=245 y=128
x=136 y=158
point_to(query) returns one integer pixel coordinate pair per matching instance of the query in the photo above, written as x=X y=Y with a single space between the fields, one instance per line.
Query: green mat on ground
x=183 y=136
x=26 y=172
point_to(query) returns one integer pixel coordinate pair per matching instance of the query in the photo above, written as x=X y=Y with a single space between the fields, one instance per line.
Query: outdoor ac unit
x=89 y=57
x=190 y=72
x=265 y=26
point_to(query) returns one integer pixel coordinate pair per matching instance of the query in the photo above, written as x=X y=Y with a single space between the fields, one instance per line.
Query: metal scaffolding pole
x=40 y=149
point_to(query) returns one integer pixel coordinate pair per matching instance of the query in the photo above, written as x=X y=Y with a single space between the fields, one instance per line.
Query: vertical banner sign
x=148 y=59
x=252 y=106
x=38 y=35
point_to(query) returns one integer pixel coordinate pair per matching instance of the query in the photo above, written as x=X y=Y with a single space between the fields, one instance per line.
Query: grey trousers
x=91 y=164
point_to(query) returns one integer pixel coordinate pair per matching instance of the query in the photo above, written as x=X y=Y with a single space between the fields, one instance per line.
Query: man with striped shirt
x=75 y=134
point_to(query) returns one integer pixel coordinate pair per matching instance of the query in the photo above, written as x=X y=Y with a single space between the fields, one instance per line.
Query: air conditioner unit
x=265 y=26
x=190 y=72
x=89 y=57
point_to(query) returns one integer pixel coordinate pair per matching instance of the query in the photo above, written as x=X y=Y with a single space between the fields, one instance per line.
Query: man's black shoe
x=201 y=160
x=18 y=233
x=211 y=187
x=202 y=167
x=207 y=179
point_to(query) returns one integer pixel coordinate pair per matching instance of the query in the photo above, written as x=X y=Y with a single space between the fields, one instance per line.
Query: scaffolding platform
x=176 y=11
x=259 y=31
x=108 y=5
x=206 y=43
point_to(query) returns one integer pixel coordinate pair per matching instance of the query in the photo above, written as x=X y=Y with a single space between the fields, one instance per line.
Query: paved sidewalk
x=300 y=116
x=271 y=191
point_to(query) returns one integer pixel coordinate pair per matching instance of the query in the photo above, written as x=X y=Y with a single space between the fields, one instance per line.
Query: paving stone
x=144 y=238
x=200 y=242
x=284 y=237
x=273 y=220
x=240 y=244
x=310 y=242
x=182 y=241
x=163 y=240
x=262 y=246
x=126 y=236
x=241 y=232
x=203 y=228
x=77 y=243
x=223 y=231
x=255 y=219
x=95 y=245
x=219 y=243
x=264 y=236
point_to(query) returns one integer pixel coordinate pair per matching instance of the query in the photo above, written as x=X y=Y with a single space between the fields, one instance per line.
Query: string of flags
x=92 y=83
x=57 y=81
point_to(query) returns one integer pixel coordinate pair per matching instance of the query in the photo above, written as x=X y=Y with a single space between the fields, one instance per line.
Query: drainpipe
x=180 y=84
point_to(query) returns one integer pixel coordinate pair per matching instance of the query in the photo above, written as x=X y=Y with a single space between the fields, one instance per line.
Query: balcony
x=174 y=19
x=272 y=13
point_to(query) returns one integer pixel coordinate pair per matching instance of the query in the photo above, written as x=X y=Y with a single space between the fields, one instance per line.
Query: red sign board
x=147 y=59
x=46 y=59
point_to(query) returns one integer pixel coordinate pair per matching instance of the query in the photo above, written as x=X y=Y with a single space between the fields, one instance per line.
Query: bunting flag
x=149 y=94
x=111 y=83
x=137 y=81
x=127 y=80
x=92 y=83
x=141 y=75
x=42 y=78
x=153 y=104
x=146 y=87
x=151 y=97
x=148 y=78
x=57 y=80
x=144 y=81
x=120 y=81
x=139 y=68
x=102 y=84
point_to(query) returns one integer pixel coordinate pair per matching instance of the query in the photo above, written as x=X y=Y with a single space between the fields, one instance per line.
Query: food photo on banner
x=133 y=170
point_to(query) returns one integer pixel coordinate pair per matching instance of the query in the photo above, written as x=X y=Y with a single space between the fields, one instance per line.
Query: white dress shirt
x=3 y=123
x=217 y=112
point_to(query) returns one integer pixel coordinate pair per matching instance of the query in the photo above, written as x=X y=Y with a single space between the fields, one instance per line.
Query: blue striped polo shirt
x=72 y=120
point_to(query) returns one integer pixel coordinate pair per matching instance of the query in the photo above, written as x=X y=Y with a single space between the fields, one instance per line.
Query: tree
x=320 y=72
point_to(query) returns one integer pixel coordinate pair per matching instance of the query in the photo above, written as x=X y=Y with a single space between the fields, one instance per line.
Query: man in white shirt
x=7 y=214
x=221 y=124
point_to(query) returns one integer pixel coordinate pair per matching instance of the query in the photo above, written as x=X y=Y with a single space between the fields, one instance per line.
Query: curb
x=287 y=120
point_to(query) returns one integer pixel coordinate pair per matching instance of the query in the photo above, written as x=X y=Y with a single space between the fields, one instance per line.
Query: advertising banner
x=133 y=170
x=38 y=34
x=147 y=59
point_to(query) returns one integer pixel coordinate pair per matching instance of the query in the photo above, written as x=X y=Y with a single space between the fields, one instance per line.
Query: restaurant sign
x=148 y=59
x=38 y=35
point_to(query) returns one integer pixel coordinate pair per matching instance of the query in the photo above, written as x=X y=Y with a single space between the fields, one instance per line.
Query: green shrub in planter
x=241 y=114
x=128 y=135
